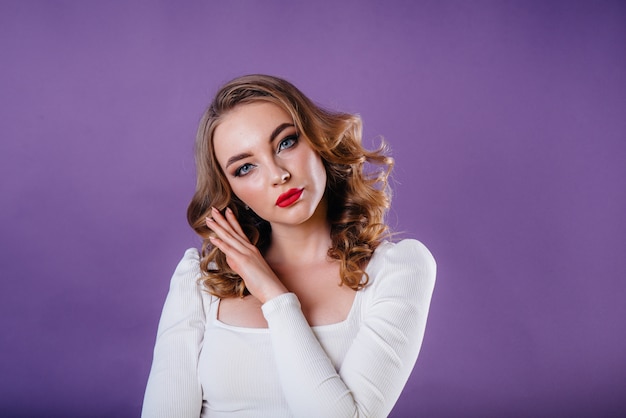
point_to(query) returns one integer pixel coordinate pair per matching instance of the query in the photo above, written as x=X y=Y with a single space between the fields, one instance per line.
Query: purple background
x=507 y=121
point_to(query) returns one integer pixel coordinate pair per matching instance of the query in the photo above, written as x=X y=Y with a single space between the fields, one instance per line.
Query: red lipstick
x=288 y=198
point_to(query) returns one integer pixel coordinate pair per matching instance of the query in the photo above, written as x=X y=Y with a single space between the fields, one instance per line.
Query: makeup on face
x=269 y=165
x=288 y=198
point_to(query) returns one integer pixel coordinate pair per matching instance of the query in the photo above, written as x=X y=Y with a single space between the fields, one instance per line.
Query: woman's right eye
x=243 y=170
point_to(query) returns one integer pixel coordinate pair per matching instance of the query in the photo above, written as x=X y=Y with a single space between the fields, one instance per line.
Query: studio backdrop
x=506 y=120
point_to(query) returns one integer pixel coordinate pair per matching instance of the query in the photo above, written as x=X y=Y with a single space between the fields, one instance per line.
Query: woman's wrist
x=271 y=292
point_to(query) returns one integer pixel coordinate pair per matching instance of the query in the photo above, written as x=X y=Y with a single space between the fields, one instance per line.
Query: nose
x=280 y=175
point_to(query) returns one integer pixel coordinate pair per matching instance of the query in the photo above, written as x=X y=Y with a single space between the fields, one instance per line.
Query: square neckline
x=324 y=327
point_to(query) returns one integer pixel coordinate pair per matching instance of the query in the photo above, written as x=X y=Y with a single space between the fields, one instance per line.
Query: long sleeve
x=173 y=389
x=379 y=361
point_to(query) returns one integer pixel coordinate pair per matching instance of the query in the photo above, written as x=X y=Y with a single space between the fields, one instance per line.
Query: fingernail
x=229 y=210
x=208 y=219
x=213 y=209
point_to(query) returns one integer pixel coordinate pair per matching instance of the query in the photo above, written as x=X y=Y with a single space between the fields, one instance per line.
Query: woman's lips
x=288 y=198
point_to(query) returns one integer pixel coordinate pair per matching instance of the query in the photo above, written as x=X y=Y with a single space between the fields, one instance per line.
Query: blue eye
x=288 y=142
x=243 y=170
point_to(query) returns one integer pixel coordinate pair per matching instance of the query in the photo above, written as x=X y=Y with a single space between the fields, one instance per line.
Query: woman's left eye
x=288 y=142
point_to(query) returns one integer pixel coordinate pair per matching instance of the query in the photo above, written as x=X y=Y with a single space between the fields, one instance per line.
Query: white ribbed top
x=355 y=368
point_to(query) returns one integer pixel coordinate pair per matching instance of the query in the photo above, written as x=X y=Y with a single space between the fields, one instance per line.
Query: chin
x=294 y=216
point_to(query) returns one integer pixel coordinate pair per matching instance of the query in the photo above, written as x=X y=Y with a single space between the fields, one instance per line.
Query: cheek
x=243 y=191
x=315 y=166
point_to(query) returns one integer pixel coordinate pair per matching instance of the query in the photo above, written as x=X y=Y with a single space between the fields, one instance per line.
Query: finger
x=233 y=257
x=234 y=223
x=226 y=234
x=227 y=244
x=221 y=245
x=230 y=225
x=220 y=223
x=217 y=228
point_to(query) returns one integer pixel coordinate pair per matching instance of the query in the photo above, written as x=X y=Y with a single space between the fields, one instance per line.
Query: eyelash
x=291 y=138
x=238 y=172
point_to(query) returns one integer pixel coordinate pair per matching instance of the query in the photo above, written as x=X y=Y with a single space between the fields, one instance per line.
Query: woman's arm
x=380 y=359
x=173 y=389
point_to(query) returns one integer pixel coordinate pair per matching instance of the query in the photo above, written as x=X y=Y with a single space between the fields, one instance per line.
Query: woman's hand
x=243 y=257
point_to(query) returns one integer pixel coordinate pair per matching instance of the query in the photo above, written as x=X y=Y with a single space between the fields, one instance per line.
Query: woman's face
x=269 y=166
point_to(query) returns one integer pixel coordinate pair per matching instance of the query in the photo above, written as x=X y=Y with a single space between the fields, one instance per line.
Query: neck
x=305 y=243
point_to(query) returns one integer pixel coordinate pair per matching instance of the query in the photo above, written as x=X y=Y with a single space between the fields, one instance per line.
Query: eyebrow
x=273 y=136
x=279 y=129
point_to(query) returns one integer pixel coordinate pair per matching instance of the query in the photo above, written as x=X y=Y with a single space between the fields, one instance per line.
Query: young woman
x=296 y=306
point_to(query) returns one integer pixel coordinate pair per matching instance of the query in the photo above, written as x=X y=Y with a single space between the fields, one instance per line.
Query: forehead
x=246 y=127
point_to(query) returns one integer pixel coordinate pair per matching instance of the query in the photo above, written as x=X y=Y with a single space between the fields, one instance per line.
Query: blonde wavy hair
x=357 y=195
